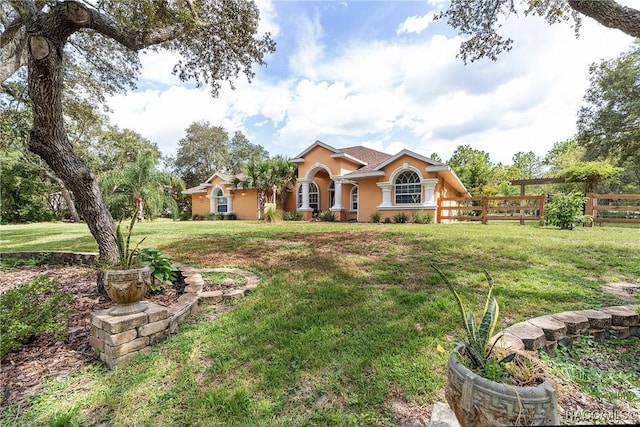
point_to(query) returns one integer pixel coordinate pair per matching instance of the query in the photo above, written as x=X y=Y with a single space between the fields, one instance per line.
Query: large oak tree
x=480 y=20
x=215 y=39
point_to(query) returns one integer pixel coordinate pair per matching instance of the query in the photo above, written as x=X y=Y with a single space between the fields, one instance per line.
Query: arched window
x=354 y=199
x=222 y=203
x=314 y=196
x=408 y=188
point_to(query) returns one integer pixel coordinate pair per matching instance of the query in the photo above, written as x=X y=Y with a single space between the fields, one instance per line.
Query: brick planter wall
x=545 y=331
x=118 y=339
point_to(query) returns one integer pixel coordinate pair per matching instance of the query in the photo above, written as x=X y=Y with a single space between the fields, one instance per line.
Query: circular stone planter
x=127 y=288
x=479 y=402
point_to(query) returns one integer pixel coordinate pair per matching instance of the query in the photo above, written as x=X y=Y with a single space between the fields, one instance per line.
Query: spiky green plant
x=479 y=344
x=127 y=255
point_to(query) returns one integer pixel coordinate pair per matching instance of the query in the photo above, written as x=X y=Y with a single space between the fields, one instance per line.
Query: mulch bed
x=23 y=372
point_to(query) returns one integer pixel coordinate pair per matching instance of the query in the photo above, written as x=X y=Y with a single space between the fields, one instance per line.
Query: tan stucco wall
x=246 y=207
x=199 y=204
x=321 y=155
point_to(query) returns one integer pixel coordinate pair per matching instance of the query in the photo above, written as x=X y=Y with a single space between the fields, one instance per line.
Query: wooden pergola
x=590 y=183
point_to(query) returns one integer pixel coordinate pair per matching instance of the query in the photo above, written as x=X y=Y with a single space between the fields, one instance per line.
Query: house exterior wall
x=246 y=206
x=199 y=204
x=376 y=194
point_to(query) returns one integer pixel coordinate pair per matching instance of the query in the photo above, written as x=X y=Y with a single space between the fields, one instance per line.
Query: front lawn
x=346 y=320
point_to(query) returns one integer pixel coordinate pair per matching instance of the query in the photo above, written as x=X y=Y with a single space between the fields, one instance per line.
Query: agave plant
x=479 y=344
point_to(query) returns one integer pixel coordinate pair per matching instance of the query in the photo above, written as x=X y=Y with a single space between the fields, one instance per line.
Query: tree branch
x=133 y=40
x=610 y=14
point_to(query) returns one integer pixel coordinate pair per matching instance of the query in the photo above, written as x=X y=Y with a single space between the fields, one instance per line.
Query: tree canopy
x=214 y=39
x=207 y=149
x=480 y=21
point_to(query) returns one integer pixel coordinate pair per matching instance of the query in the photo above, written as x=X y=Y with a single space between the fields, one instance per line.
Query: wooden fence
x=604 y=208
x=502 y=208
x=621 y=208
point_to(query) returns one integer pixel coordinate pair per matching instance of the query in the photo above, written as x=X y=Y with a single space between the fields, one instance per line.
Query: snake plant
x=479 y=344
x=127 y=254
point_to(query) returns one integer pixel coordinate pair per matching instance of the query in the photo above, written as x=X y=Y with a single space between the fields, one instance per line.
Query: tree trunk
x=66 y=196
x=48 y=138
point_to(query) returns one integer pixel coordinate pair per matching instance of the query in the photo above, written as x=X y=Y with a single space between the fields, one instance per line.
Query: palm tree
x=140 y=187
x=284 y=176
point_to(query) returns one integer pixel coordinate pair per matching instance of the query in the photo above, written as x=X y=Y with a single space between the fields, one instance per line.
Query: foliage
x=272 y=214
x=479 y=23
x=241 y=152
x=606 y=370
x=31 y=309
x=268 y=177
x=203 y=151
x=128 y=255
x=400 y=218
x=608 y=123
x=164 y=271
x=292 y=216
x=206 y=149
x=473 y=167
x=212 y=42
x=566 y=211
x=527 y=164
x=9 y=263
x=140 y=186
x=375 y=217
x=327 y=216
x=580 y=171
x=231 y=216
x=422 y=217
x=480 y=340
x=24 y=185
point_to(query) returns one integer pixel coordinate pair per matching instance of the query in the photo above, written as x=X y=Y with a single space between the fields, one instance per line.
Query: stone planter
x=479 y=402
x=127 y=288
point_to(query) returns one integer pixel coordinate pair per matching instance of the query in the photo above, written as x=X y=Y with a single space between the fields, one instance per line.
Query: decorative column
x=386 y=194
x=230 y=203
x=305 y=196
x=429 y=186
x=337 y=196
x=211 y=198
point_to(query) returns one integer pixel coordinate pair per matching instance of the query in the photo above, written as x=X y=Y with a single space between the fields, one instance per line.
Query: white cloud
x=390 y=94
x=415 y=24
x=309 y=49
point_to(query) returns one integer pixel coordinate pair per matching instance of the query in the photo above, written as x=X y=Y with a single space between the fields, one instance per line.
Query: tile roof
x=367 y=155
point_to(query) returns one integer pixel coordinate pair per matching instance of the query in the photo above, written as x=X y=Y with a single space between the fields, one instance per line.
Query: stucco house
x=353 y=182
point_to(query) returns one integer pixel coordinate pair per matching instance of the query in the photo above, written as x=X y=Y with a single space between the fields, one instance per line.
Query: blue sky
x=384 y=75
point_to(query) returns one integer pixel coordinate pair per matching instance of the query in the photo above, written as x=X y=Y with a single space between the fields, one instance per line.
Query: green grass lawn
x=347 y=317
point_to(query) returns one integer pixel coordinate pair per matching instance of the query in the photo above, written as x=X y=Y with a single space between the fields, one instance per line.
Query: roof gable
x=300 y=157
x=409 y=153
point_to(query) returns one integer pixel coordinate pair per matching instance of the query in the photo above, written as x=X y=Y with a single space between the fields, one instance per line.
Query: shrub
x=197 y=217
x=327 y=216
x=387 y=220
x=219 y=216
x=29 y=310
x=185 y=216
x=400 y=218
x=566 y=211
x=164 y=272
x=375 y=217
x=292 y=216
x=272 y=214
x=211 y=216
x=231 y=216
x=422 y=217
